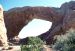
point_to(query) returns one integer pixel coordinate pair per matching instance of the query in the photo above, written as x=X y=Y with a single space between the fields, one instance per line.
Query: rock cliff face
x=63 y=18
x=67 y=20
x=3 y=36
x=69 y=15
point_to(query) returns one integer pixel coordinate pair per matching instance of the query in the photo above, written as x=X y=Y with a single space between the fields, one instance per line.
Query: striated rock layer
x=63 y=18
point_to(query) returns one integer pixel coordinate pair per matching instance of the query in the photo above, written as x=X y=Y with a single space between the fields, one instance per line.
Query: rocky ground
x=15 y=48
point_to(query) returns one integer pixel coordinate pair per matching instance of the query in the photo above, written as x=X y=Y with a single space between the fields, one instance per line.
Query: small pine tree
x=34 y=44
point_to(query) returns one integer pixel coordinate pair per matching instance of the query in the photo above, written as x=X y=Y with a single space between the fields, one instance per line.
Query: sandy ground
x=15 y=48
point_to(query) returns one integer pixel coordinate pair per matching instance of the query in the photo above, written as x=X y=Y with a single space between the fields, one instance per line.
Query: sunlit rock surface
x=34 y=28
x=3 y=31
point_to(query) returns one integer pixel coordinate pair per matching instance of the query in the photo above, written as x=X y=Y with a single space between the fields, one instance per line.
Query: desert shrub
x=65 y=42
x=34 y=44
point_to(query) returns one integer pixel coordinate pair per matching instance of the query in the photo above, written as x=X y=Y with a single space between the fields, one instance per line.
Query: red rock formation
x=62 y=18
x=66 y=22
x=16 y=18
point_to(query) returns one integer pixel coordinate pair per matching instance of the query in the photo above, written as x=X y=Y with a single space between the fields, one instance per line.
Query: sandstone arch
x=16 y=18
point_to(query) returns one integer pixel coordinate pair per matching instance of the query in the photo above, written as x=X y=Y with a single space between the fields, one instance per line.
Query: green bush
x=34 y=44
x=65 y=42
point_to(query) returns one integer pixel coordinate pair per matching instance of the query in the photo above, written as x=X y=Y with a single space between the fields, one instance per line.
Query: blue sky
x=8 y=4
x=33 y=28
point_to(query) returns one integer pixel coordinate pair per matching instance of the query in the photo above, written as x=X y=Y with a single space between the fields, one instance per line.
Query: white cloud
x=35 y=28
